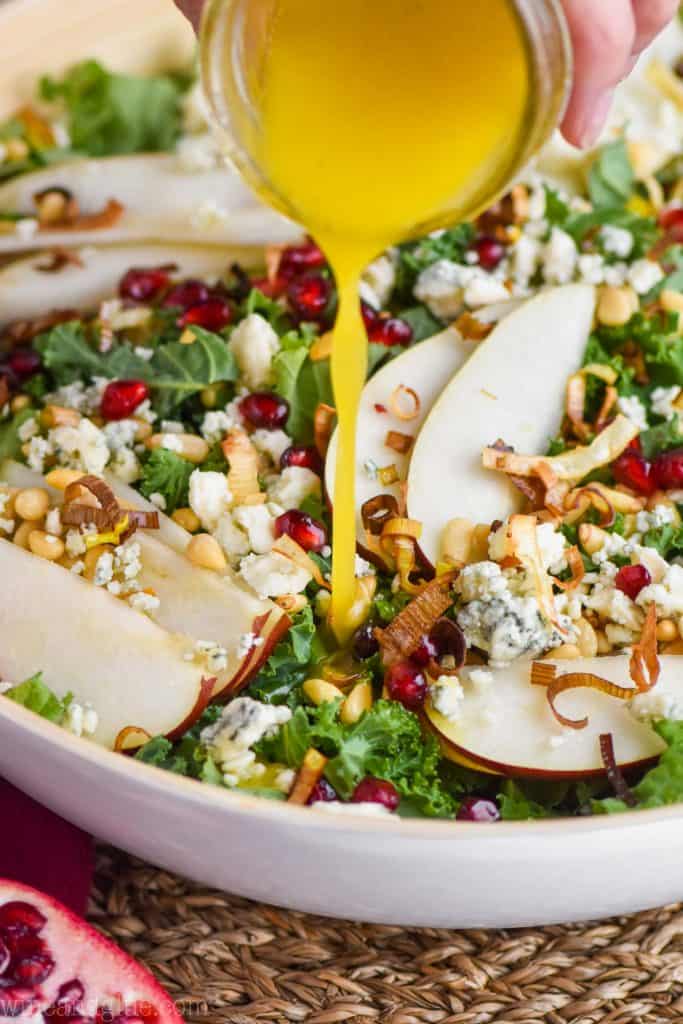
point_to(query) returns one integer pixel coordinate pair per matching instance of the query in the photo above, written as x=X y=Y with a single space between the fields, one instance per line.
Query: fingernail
x=595 y=113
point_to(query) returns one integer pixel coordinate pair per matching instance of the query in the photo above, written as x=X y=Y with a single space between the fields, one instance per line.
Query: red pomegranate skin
x=61 y=969
x=66 y=874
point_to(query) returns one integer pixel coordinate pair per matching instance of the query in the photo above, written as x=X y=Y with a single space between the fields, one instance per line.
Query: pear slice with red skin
x=88 y=643
x=507 y=726
x=28 y=291
x=426 y=369
x=513 y=388
x=201 y=604
x=162 y=202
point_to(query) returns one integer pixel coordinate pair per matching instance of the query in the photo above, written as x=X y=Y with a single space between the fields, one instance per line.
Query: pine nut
x=604 y=646
x=616 y=306
x=188 y=446
x=45 y=545
x=588 y=641
x=22 y=534
x=645 y=158
x=667 y=631
x=357 y=703
x=186 y=518
x=319 y=691
x=205 y=551
x=32 y=504
x=294 y=603
x=16 y=149
x=61 y=478
x=671 y=301
x=565 y=652
x=20 y=402
x=591 y=538
x=143 y=429
x=456 y=544
x=58 y=416
x=479 y=549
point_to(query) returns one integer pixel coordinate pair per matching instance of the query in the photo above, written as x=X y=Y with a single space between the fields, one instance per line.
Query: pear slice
x=88 y=643
x=507 y=725
x=161 y=202
x=426 y=368
x=27 y=291
x=512 y=388
x=202 y=605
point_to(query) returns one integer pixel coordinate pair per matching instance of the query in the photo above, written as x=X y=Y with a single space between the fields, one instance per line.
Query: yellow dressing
x=369 y=122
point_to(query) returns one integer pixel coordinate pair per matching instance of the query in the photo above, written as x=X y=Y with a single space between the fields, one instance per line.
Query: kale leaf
x=110 y=113
x=167 y=474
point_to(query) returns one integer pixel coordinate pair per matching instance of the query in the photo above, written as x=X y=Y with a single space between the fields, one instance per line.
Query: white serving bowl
x=393 y=871
x=408 y=872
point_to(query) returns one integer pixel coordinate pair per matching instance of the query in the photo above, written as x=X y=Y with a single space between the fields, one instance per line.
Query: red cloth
x=44 y=851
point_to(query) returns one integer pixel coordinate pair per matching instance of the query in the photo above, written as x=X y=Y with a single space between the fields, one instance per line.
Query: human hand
x=607 y=38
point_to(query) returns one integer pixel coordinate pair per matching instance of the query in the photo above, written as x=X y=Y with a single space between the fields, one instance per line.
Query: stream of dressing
x=379 y=117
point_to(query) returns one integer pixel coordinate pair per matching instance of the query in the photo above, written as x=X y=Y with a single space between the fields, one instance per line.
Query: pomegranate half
x=55 y=967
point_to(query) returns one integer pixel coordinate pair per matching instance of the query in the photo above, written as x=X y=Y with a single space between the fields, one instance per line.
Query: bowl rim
x=193 y=791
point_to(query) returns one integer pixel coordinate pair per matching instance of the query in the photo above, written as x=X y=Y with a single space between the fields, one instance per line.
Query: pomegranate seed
x=490 y=251
x=69 y=997
x=309 y=296
x=141 y=284
x=369 y=314
x=298 y=259
x=323 y=793
x=187 y=294
x=212 y=315
x=23 y=945
x=633 y=471
x=476 y=808
x=4 y=957
x=381 y=409
x=407 y=685
x=309 y=534
x=671 y=218
x=631 y=579
x=24 y=362
x=304 y=455
x=425 y=652
x=390 y=331
x=14 y=1000
x=667 y=470
x=376 y=791
x=272 y=288
x=365 y=643
x=18 y=918
x=122 y=397
x=264 y=410
x=33 y=970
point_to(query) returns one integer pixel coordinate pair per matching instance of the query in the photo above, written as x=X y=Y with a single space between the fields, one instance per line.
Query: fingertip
x=586 y=116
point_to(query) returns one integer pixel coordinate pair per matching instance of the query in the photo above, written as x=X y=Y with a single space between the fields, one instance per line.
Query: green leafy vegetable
x=68 y=354
x=414 y=257
x=109 y=113
x=611 y=179
x=422 y=323
x=36 y=696
x=10 y=444
x=178 y=371
x=663 y=784
x=302 y=382
x=661 y=438
x=387 y=742
x=167 y=474
x=287 y=667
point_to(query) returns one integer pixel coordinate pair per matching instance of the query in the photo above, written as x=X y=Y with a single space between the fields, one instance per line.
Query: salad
x=166 y=476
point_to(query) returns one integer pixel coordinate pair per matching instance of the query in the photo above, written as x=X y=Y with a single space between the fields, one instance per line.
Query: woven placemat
x=227 y=960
